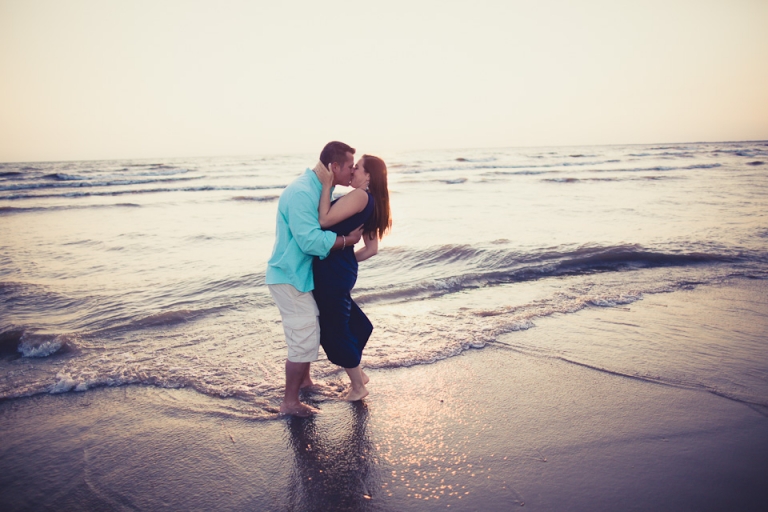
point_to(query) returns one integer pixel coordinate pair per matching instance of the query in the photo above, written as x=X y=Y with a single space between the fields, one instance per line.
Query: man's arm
x=302 y=221
x=312 y=240
x=348 y=241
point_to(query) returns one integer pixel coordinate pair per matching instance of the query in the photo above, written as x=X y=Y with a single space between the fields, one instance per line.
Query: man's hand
x=355 y=236
x=323 y=174
x=348 y=240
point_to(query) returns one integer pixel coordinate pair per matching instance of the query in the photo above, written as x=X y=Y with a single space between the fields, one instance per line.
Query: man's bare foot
x=365 y=377
x=301 y=410
x=356 y=394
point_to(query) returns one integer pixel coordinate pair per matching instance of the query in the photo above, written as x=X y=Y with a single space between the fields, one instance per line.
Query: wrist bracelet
x=344 y=239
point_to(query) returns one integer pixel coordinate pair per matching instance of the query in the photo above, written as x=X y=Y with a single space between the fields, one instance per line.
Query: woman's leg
x=360 y=328
x=340 y=337
x=358 y=390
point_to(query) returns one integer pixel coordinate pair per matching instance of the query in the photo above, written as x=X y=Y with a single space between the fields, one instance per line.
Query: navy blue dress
x=344 y=328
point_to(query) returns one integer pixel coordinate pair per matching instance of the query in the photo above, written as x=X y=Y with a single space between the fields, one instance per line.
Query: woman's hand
x=323 y=174
x=370 y=249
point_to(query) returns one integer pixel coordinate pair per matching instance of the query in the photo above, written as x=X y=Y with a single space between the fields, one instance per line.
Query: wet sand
x=492 y=429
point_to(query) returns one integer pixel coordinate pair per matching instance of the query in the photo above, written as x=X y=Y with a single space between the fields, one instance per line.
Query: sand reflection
x=333 y=464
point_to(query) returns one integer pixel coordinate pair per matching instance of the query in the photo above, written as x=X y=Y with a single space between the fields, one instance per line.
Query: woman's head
x=360 y=176
x=371 y=173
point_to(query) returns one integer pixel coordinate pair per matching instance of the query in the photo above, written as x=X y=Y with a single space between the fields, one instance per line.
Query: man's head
x=340 y=159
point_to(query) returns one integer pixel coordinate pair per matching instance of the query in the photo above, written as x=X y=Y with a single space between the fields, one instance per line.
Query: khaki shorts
x=300 y=322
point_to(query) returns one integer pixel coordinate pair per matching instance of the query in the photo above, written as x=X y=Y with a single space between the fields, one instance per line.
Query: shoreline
x=491 y=429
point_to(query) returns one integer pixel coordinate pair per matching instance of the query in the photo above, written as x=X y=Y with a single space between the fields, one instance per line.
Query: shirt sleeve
x=306 y=230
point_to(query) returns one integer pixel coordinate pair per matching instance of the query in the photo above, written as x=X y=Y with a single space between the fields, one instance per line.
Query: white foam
x=65 y=383
x=31 y=346
x=607 y=302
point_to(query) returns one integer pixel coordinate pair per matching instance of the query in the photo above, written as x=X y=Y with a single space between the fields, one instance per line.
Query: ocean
x=151 y=272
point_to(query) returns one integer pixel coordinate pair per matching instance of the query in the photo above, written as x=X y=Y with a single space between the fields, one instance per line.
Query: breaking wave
x=452 y=268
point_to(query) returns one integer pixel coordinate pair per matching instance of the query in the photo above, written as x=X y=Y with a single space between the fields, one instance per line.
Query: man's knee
x=302 y=335
x=300 y=322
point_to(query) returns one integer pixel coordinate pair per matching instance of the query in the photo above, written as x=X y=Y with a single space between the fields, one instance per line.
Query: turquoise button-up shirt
x=298 y=236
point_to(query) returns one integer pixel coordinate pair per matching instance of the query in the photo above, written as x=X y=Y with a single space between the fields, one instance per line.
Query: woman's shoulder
x=359 y=196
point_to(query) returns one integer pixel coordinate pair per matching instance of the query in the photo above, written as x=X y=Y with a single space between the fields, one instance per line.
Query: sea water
x=151 y=272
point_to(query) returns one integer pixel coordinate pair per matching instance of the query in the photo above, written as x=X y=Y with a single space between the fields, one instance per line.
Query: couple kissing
x=313 y=266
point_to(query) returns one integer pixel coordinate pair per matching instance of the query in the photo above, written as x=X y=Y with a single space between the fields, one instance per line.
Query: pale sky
x=101 y=79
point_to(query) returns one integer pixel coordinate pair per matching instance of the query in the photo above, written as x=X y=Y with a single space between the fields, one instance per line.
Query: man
x=298 y=239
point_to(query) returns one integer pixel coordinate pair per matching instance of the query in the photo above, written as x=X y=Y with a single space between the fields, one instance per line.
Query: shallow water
x=152 y=272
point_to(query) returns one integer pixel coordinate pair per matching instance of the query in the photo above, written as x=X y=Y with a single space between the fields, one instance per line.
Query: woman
x=344 y=328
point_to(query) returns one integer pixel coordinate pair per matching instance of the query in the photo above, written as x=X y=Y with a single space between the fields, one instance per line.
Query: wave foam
x=34 y=345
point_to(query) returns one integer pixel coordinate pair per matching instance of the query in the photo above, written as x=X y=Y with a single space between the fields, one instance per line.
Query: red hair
x=381 y=220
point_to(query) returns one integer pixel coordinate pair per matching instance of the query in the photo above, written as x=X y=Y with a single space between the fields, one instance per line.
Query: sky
x=104 y=79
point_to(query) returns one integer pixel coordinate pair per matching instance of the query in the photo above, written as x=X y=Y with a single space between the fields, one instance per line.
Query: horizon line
x=253 y=155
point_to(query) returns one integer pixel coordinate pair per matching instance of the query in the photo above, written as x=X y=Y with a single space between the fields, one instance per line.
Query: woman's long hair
x=381 y=220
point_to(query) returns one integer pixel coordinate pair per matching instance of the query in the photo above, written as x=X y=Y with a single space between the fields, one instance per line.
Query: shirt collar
x=316 y=181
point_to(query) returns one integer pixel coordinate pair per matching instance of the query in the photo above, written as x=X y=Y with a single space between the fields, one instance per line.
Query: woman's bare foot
x=301 y=410
x=356 y=394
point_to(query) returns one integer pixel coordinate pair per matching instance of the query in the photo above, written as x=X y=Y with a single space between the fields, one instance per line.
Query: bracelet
x=344 y=239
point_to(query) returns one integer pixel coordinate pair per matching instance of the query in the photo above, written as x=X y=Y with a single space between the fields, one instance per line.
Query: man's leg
x=294 y=375
x=302 y=334
x=306 y=380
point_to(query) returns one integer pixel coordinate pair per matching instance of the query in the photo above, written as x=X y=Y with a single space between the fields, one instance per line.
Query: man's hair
x=335 y=151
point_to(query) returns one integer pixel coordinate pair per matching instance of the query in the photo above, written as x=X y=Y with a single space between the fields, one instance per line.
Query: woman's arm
x=344 y=208
x=326 y=180
x=370 y=249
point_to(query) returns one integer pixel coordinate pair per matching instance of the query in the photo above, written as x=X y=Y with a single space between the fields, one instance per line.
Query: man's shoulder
x=302 y=182
x=301 y=186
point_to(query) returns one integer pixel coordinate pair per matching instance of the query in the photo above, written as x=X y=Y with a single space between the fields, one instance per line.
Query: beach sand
x=491 y=429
